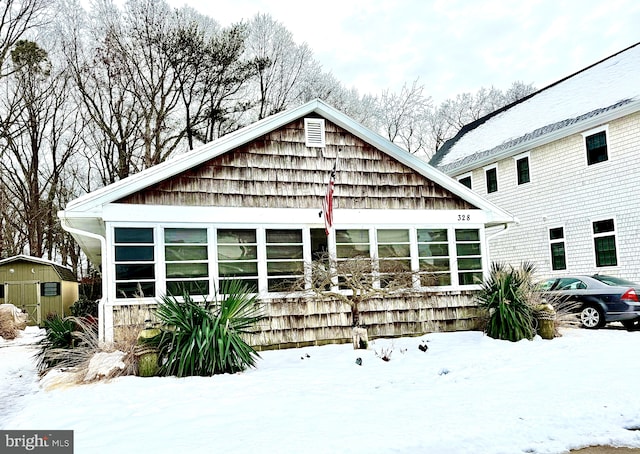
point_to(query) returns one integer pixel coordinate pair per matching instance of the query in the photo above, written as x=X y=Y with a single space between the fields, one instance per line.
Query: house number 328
x=464 y=217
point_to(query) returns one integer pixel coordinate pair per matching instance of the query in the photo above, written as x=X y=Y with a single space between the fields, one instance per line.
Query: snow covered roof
x=599 y=93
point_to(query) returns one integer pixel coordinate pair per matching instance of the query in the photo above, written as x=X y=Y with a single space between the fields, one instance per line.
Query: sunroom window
x=186 y=261
x=469 y=256
x=394 y=254
x=134 y=262
x=238 y=256
x=285 y=264
x=433 y=257
x=353 y=244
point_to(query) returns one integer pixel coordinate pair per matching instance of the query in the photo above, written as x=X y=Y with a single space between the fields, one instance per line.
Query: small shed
x=38 y=286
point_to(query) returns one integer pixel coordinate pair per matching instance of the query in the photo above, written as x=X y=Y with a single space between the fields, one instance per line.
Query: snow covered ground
x=467 y=393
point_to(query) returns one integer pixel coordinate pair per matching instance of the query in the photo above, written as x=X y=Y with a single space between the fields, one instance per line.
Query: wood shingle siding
x=278 y=171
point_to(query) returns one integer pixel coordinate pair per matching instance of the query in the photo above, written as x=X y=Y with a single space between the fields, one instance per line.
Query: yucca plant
x=506 y=295
x=206 y=338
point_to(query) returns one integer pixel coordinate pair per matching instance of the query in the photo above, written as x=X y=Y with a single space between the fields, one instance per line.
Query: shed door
x=26 y=296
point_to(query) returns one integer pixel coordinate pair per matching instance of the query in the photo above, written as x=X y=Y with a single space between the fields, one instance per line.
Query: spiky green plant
x=206 y=338
x=506 y=294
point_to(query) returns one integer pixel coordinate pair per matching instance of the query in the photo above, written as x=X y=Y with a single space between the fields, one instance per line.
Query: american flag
x=327 y=202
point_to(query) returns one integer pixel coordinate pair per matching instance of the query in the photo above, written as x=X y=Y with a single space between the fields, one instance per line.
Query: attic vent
x=314 y=132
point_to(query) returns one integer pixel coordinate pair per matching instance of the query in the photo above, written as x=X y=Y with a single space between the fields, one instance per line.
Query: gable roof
x=601 y=92
x=83 y=216
x=65 y=273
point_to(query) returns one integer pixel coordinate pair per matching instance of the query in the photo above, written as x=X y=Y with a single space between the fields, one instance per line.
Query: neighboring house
x=39 y=287
x=565 y=161
x=247 y=206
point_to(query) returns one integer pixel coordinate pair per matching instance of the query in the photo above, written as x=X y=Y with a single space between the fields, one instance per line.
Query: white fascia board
x=185 y=215
x=574 y=128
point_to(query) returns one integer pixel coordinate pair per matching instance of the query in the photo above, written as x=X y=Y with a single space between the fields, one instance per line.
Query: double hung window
x=604 y=239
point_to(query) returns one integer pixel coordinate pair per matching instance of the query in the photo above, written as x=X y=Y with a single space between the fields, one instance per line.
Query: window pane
x=603 y=226
x=470 y=264
x=182 y=253
x=238 y=252
x=178 y=288
x=231 y=269
x=558 y=259
x=492 y=180
x=185 y=235
x=285 y=268
x=433 y=250
x=432 y=235
x=133 y=271
x=393 y=236
x=467 y=235
x=523 y=170
x=187 y=270
x=556 y=234
x=433 y=265
x=282 y=284
x=293 y=251
x=596 y=148
x=468 y=249
x=135 y=289
x=133 y=235
x=606 y=251
x=134 y=253
x=284 y=236
x=469 y=278
x=352 y=236
x=434 y=280
x=393 y=250
x=395 y=266
x=351 y=251
x=228 y=236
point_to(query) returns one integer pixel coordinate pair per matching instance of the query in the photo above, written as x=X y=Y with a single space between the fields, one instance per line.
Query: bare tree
x=37 y=146
x=281 y=65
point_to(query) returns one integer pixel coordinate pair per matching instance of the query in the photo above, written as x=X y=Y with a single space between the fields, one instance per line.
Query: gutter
x=103 y=247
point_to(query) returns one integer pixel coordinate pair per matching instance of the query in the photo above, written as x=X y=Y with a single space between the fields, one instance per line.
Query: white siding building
x=565 y=161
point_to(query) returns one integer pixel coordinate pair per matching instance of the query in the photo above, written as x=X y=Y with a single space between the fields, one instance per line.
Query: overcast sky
x=451 y=46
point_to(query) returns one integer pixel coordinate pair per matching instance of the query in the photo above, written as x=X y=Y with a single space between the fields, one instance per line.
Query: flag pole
x=327 y=202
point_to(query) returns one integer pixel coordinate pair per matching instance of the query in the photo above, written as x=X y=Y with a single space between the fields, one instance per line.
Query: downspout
x=499 y=232
x=103 y=247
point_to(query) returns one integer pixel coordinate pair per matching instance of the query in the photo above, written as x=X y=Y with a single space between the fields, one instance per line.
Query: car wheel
x=631 y=325
x=592 y=317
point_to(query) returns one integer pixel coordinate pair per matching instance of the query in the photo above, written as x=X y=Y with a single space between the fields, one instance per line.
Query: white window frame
x=561 y=240
x=591 y=132
x=466 y=175
x=613 y=233
x=527 y=156
x=486 y=180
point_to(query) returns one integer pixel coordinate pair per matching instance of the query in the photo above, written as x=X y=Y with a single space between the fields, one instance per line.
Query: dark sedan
x=599 y=299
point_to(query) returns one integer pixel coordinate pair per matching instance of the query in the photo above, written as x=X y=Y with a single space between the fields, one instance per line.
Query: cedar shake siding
x=277 y=170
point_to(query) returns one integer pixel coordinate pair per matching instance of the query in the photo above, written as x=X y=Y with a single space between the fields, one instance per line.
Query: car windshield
x=610 y=280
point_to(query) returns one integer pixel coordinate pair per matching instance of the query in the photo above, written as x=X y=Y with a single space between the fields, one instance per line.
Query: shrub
x=68 y=343
x=507 y=296
x=85 y=307
x=206 y=338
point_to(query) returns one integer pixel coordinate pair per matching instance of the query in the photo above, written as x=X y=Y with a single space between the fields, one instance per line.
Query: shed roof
x=595 y=95
x=65 y=273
